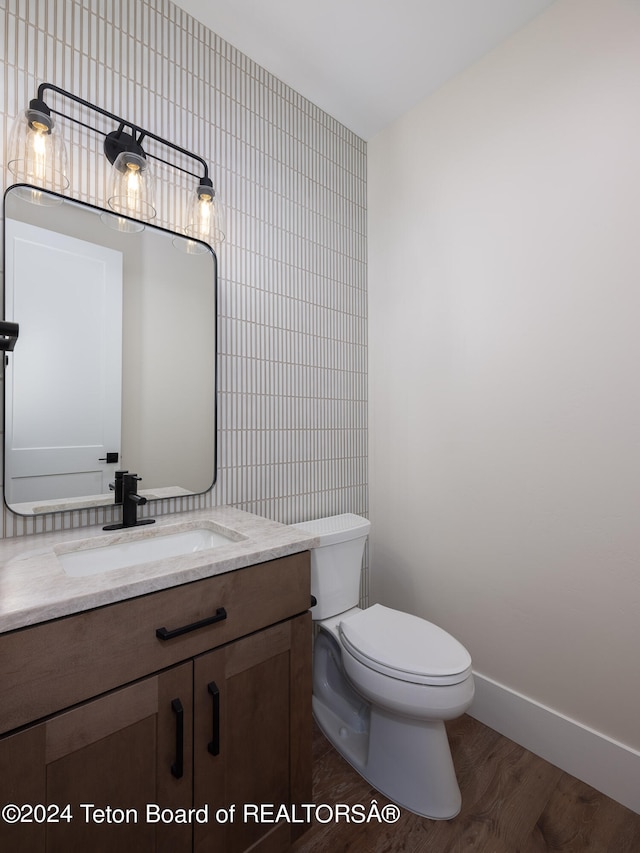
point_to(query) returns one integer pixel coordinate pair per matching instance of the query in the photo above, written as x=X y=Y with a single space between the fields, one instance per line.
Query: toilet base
x=409 y=761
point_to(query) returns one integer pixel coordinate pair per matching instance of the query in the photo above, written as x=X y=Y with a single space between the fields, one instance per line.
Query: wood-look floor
x=512 y=802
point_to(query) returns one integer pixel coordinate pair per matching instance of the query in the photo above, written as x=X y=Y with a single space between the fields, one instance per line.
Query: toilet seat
x=404 y=647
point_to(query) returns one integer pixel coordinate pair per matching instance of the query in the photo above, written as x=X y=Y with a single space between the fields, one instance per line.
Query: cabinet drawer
x=57 y=664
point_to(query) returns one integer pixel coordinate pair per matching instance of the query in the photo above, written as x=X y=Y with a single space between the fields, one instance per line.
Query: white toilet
x=383 y=681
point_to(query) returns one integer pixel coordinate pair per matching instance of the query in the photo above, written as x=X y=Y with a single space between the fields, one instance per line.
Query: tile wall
x=292 y=330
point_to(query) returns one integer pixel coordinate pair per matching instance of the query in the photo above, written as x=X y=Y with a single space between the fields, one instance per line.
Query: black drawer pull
x=214 y=743
x=177 y=768
x=165 y=634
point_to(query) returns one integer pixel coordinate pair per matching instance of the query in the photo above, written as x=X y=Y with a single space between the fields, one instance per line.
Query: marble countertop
x=35 y=588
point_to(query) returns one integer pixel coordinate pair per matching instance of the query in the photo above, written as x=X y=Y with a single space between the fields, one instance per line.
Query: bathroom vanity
x=154 y=706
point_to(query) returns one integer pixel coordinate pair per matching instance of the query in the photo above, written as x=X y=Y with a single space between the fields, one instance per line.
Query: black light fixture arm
x=120 y=139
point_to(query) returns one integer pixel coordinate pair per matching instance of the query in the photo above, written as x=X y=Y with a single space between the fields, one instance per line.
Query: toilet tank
x=337 y=562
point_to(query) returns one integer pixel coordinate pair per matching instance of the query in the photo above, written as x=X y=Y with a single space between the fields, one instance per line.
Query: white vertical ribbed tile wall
x=292 y=422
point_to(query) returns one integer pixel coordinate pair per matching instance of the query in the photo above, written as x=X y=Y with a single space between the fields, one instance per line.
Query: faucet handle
x=119 y=476
x=116 y=486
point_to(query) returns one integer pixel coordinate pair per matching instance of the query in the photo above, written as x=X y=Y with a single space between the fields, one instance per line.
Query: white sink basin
x=120 y=555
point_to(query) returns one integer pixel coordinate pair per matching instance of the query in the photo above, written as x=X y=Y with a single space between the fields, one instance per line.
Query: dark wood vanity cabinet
x=260 y=730
x=105 y=760
x=175 y=757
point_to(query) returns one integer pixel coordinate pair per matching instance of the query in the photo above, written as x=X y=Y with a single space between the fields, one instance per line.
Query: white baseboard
x=603 y=763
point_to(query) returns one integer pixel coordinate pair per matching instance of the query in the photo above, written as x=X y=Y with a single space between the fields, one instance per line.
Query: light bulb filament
x=204 y=216
x=133 y=185
x=39 y=142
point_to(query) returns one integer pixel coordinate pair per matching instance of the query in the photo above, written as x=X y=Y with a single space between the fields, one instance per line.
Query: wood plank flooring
x=512 y=802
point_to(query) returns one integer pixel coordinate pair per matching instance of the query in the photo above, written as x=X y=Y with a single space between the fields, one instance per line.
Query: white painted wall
x=504 y=287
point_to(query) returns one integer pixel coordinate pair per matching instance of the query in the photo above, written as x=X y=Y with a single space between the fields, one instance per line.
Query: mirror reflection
x=115 y=363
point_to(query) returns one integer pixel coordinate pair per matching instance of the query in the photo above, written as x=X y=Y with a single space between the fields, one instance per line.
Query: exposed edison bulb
x=37 y=154
x=206 y=216
x=131 y=183
x=203 y=216
x=38 y=139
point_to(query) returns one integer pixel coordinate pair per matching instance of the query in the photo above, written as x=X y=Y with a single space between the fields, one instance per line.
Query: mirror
x=114 y=367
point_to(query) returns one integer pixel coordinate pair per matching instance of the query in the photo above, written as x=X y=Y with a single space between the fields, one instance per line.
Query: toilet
x=384 y=681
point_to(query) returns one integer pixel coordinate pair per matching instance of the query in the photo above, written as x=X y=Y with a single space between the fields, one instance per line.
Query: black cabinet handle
x=164 y=634
x=177 y=768
x=214 y=745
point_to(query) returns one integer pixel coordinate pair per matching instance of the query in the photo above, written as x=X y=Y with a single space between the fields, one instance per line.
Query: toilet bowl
x=384 y=681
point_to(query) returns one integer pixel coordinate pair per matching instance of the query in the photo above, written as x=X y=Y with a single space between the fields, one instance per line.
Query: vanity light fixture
x=205 y=219
x=38 y=157
x=37 y=153
x=131 y=186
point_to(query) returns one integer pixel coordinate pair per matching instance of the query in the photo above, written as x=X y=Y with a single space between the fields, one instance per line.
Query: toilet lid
x=405 y=647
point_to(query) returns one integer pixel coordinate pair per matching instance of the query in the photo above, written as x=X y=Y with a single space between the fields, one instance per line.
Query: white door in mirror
x=69 y=289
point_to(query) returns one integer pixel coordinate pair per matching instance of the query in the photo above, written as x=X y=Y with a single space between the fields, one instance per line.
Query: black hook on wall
x=8 y=335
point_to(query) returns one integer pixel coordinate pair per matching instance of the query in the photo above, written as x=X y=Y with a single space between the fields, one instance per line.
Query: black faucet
x=126 y=489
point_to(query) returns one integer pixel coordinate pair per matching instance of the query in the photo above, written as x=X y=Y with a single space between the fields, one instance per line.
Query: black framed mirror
x=114 y=367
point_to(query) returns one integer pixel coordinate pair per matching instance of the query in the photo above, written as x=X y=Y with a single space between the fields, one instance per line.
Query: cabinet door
x=108 y=759
x=252 y=736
